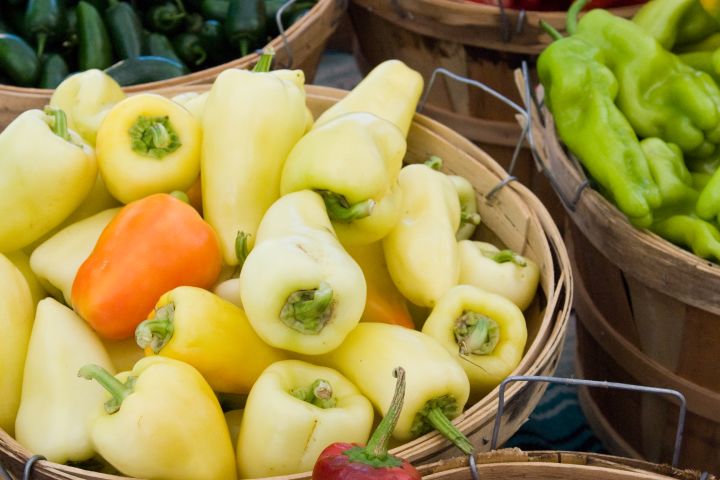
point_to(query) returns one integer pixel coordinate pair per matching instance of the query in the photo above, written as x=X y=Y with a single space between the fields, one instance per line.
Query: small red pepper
x=350 y=461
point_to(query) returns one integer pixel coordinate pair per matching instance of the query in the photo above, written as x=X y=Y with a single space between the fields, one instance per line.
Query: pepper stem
x=41 y=40
x=552 y=31
x=340 y=210
x=476 y=334
x=180 y=195
x=307 y=311
x=434 y=162
x=241 y=249
x=375 y=453
x=469 y=218
x=444 y=426
x=58 y=122
x=320 y=394
x=572 y=15
x=265 y=61
x=153 y=137
x=157 y=331
x=504 y=256
x=117 y=389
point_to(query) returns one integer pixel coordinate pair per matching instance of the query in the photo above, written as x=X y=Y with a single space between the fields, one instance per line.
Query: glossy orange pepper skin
x=153 y=245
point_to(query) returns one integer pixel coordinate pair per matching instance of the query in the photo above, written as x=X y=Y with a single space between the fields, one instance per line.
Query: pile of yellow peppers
x=219 y=285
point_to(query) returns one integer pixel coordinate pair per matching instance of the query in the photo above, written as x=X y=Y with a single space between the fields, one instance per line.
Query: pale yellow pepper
x=21 y=260
x=484 y=332
x=295 y=410
x=86 y=97
x=300 y=289
x=16 y=318
x=57 y=407
x=421 y=250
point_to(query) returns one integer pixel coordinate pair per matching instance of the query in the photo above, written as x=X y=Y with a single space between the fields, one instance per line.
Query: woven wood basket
x=474 y=41
x=649 y=314
x=513 y=217
x=302 y=48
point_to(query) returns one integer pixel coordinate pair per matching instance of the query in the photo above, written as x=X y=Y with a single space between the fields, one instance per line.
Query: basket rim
x=539 y=353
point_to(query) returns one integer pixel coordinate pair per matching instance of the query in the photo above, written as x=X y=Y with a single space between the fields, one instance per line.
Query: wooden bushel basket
x=474 y=41
x=301 y=48
x=513 y=217
x=649 y=314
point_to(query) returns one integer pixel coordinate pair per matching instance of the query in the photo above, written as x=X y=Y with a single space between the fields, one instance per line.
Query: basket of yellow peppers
x=218 y=282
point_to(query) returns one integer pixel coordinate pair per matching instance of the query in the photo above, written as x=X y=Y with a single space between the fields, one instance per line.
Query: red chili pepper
x=350 y=461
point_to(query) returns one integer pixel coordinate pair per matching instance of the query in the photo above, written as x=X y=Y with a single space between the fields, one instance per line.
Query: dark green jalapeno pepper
x=189 y=48
x=94 y=50
x=193 y=22
x=125 y=28
x=143 y=69
x=245 y=25
x=159 y=45
x=18 y=60
x=165 y=17
x=53 y=71
x=43 y=21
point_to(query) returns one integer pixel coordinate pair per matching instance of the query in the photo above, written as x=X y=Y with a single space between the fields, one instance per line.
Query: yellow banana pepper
x=57 y=260
x=300 y=289
x=421 y=250
x=437 y=387
x=390 y=91
x=86 y=97
x=194 y=102
x=484 y=332
x=124 y=353
x=21 y=260
x=211 y=334
x=251 y=121
x=469 y=216
x=384 y=302
x=46 y=171
x=16 y=319
x=293 y=412
x=162 y=421
x=56 y=407
x=499 y=271
x=353 y=161
x=233 y=419
x=148 y=144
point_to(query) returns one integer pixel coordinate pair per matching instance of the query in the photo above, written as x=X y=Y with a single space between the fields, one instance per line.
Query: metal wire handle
x=594 y=383
x=281 y=29
x=507 y=33
x=526 y=131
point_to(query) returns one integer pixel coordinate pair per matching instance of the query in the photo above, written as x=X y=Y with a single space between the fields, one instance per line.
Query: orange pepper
x=384 y=303
x=153 y=245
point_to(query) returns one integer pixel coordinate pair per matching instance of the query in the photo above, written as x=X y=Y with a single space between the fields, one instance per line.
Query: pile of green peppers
x=134 y=41
x=638 y=103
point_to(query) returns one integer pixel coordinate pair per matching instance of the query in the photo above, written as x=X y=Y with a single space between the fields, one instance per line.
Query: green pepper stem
x=434 y=162
x=340 y=210
x=58 y=122
x=154 y=137
x=160 y=135
x=241 y=250
x=504 y=256
x=320 y=394
x=202 y=54
x=117 y=389
x=180 y=195
x=476 y=334
x=157 y=331
x=572 y=15
x=265 y=61
x=307 y=311
x=444 y=426
x=552 y=31
x=469 y=218
x=377 y=446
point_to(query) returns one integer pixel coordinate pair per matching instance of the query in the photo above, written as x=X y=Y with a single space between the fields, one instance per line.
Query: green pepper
x=212 y=36
x=193 y=22
x=190 y=48
x=701 y=237
x=53 y=71
x=215 y=9
x=165 y=17
x=245 y=24
x=95 y=50
x=43 y=20
x=143 y=69
x=658 y=93
x=580 y=92
x=159 y=45
x=18 y=60
x=125 y=29
x=675 y=21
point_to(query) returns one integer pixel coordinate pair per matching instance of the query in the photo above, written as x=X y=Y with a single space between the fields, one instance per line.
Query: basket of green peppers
x=147 y=44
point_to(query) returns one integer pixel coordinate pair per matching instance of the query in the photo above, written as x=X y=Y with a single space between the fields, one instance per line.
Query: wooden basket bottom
x=632 y=424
